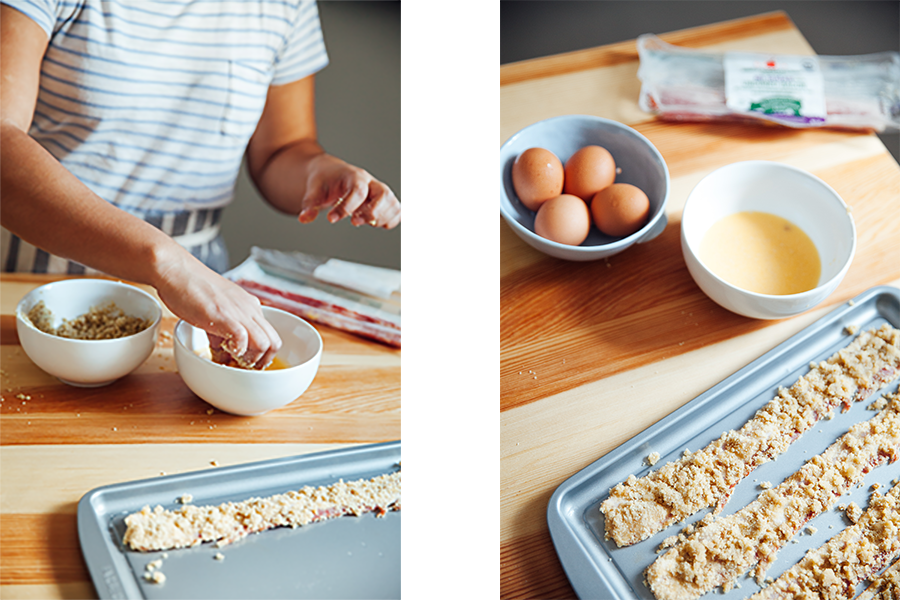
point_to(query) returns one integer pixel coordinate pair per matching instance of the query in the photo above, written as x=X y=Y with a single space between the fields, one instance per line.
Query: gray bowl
x=641 y=163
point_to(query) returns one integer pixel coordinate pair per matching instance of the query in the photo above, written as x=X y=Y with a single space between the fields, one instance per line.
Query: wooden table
x=62 y=441
x=616 y=345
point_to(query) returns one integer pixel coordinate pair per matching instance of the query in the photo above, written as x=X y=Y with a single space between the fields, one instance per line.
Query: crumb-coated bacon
x=160 y=529
x=886 y=586
x=730 y=546
x=640 y=507
x=832 y=571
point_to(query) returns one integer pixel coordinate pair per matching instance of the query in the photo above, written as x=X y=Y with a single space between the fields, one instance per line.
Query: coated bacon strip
x=886 y=586
x=833 y=571
x=728 y=547
x=160 y=529
x=639 y=508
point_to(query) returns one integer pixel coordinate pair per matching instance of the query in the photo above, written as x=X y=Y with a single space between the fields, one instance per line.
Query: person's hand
x=231 y=316
x=347 y=191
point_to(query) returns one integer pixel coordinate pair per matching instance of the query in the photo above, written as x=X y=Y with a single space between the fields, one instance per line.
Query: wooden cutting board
x=593 y=353
x=59 y=442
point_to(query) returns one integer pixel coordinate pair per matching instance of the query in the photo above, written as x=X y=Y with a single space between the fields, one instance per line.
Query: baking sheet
x=596 y=568
x=347 y=557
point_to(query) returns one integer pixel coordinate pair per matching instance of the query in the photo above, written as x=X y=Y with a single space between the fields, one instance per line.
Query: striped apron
x=197 y=231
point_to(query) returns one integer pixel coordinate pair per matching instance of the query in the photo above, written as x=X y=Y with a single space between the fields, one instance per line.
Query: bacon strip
x=326 y=313
x=160 y=529
x=886 y=586
x=639 y=508
x=833 y=571
x=728 y=547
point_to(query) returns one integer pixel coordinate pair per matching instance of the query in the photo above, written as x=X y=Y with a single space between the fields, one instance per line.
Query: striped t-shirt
x=151 y=103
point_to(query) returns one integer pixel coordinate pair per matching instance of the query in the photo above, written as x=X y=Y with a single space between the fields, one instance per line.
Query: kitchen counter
x=58 y=442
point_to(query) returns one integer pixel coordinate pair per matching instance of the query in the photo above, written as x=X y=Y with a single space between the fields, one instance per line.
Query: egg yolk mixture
x=761 y=253
x=275 y=365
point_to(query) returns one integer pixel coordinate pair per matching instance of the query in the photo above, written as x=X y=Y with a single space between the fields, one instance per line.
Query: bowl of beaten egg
x=766 y=240
x=573 y=141
x=248 y=392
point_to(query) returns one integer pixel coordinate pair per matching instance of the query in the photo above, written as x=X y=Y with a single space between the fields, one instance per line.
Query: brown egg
x=588 y=171
x=620 y=210
x=565 y=219
x=537 y=176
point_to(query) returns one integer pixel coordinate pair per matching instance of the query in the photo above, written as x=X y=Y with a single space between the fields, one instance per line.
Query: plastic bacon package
x=846 y=92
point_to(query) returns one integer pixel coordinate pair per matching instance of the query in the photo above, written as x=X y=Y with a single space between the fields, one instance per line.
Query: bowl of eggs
x=766 y=240
x=580 y=187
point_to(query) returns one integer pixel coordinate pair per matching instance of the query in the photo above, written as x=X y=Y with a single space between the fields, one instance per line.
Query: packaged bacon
x=360 y=299
x=846 y=92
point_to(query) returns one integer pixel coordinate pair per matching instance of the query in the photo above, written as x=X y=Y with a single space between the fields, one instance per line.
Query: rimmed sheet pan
x=347 y=557
x=598 y=569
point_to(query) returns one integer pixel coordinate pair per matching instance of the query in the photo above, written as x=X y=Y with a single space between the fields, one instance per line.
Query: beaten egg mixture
x=762 y=253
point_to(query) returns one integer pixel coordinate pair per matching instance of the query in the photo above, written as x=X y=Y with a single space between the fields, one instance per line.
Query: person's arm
x=296 y=176
x=44 y=204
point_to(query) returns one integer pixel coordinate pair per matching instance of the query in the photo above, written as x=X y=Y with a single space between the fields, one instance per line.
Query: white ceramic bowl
x=245 y=392
x=87 y=363
x=641 y=163
x=778 y=189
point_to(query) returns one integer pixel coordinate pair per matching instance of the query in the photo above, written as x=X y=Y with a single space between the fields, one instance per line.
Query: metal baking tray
x=596 y=568
x=348 y=557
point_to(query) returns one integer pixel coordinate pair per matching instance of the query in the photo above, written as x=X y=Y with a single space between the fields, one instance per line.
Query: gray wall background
x=533 y=29
x=358 y=118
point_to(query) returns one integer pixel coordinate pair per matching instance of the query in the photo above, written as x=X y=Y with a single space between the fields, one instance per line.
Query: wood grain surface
x=58 y=442
x=594 y=353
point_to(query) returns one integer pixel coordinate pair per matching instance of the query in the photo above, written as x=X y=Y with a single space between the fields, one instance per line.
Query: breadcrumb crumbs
x=157 y=577
x=653 y=458
x=99 y=323
x=878 y=404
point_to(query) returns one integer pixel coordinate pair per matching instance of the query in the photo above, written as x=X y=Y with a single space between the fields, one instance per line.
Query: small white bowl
x=781 y=190
x=87 y=363
x=246 y=392
x=641 y=163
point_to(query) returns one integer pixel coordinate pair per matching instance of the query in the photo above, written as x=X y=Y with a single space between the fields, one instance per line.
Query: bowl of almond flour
x=88 y=332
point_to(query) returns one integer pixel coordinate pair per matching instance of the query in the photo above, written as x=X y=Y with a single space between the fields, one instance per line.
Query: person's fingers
x=226 y=335
x=319 y=197
x=258 y=344
x=308 y=215
x=381 y=209
x=274 y=341
x=356 y=190
x=393 y=222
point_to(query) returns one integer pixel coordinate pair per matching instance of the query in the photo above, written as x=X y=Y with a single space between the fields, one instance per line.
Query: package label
x=788 y=89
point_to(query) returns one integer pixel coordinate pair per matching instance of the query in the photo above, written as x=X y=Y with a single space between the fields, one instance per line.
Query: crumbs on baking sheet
x=878 y=404
x=853 y=512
